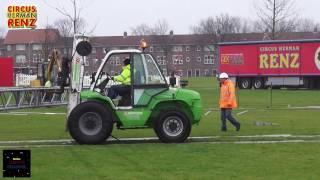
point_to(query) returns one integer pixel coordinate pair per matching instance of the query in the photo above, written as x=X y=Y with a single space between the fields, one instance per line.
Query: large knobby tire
x=90 y=123
x=172 y=126
x=258 y=83
x=245 y=83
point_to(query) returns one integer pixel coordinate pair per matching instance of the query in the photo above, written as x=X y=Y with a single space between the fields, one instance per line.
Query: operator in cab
x=124 y=78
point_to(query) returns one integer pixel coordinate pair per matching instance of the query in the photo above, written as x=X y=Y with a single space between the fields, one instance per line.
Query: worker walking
x=227 y=102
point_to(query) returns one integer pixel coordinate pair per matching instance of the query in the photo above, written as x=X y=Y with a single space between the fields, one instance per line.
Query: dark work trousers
x=226 y=114
x=116 y=90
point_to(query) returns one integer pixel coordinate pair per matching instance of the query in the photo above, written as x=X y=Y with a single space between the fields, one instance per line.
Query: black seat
x=125 y=100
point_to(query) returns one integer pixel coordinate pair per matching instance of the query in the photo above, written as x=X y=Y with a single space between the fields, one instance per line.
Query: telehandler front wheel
x=90 y=123
x=172 y=126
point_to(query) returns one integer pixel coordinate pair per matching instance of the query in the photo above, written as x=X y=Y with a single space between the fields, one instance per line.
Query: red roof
x=152 y=39
x=26 y=36
x=237 y=37
x=191 y=39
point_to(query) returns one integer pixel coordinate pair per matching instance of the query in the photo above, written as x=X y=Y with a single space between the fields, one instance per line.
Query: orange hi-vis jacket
x=227 y=95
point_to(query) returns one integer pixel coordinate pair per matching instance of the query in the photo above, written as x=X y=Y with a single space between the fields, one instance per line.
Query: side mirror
x=84 y=48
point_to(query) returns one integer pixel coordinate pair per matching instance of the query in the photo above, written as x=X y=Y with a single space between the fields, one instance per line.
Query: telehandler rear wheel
x=90 y=123
x=172 y=126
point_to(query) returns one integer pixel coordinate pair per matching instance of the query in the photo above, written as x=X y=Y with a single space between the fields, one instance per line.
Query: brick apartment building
x=187 y=55
x=29 y=47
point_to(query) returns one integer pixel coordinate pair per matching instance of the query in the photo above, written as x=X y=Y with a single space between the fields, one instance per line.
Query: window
x=9 y=48
x=146 y=71
x=197 y=72
x=159 y=49
x=187 y=48
x=187 y=59
x=161 y=60
x=199 y=59
x=152 y=72
x=208 y=59
x=112 y=65
x=64 y=50
x=177 y=48
x=206 y=72
x=36 y=58
x=214 y=72
x=198 y=48
x=37 y=47
x=209 y=48
x=151 y=49
x=20 y=59
x=20 y=47
x=177 y=59
x=118 y=61
x=94 y=50
x=114 y=60
x=165 y=71
x=189 y=73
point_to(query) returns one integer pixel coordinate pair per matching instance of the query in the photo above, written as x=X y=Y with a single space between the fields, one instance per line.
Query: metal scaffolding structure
x=18 y=98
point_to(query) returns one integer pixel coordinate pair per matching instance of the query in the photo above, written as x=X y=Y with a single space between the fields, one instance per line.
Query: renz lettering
x=274 y=61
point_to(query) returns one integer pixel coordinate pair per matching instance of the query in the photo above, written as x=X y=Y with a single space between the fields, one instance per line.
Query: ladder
x=18 y=97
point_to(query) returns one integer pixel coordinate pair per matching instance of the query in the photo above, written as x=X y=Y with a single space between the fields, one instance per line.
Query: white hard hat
x=223 y=76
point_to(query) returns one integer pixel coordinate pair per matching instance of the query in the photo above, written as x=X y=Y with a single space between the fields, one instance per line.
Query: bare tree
x=73 y=17
x=141 y=30
x=276 y=16
x=65 y=30
x=218 y=26
x=48 y=43
x=307 y=25
x=161 y=27
x=64 y=26
x=206 y=26
x=2 y=32
x=247 y=25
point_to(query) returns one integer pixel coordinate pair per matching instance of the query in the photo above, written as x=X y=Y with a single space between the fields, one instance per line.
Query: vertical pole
x=274 y=20
x=237 y=93
x=271 y=96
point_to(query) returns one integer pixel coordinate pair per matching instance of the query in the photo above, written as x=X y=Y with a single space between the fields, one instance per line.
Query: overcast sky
x=113 y=17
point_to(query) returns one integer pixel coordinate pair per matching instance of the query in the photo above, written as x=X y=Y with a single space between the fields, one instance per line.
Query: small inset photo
x=16 y=163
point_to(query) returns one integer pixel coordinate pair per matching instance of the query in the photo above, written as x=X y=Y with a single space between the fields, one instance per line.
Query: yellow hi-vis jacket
x=227 y=95
x=124 y=77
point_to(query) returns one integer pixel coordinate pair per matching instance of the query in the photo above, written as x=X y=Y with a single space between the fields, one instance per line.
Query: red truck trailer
x=6 y=72
x=260 y=64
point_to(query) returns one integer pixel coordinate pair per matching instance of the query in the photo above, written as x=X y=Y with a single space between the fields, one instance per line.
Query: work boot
x=238 y=127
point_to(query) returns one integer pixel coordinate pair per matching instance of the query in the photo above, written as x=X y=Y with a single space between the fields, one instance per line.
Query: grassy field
x=189 y=160
x=178 y=161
